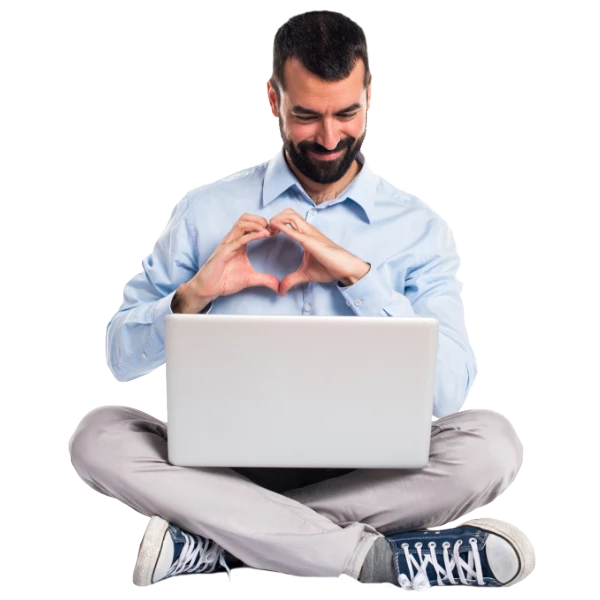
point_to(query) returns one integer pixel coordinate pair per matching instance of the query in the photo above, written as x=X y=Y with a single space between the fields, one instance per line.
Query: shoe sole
x=516 y=538
x=150 y=550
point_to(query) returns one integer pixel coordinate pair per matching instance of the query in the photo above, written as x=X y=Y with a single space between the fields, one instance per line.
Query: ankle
x=378 y=566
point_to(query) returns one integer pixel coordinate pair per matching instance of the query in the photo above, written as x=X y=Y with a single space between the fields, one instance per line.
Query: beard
x=322 y=171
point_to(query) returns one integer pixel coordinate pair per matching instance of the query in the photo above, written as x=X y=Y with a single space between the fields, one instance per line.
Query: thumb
x=265 y=279
x=289 y=281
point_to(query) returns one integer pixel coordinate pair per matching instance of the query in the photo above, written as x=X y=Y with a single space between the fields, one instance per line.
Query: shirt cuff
x=372 y=296
x=162 y=308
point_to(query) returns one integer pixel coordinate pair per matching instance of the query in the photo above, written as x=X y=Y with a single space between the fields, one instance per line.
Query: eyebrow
x=307 y=111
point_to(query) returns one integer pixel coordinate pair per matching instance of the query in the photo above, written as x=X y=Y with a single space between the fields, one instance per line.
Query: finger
x=245 y=239
x=289 y=281
x=241 y=228
x=256 y=218
x=288 y=229
x=251 y=221
x=247 y=217
x=287 y=212
x=265 y=279
x=292 y=218
x=248 y=226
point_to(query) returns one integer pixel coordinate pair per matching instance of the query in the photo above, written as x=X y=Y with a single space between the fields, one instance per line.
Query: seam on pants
x=360 y=552
x=258 y=490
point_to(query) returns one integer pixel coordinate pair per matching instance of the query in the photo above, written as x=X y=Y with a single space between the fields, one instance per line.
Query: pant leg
x=122 y=452
x=474 y=456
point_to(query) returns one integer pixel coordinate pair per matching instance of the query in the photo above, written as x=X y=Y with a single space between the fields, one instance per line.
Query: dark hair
x=327 y=44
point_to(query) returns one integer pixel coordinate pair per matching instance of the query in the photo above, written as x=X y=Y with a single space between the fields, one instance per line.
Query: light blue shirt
x=410 y=248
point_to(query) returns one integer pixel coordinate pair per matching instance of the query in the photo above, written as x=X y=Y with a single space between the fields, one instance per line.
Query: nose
x=327 y=135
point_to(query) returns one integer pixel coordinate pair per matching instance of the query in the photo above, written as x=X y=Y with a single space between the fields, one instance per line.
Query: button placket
x=310 y=214
x=306 y=299
x=307 y=308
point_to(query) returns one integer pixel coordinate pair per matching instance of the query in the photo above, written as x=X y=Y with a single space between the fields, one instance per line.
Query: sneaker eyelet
x=405 y=545
x=418 y=544
x=446 y=544
x=471 y=540
x=459 y=542
x=431 y=544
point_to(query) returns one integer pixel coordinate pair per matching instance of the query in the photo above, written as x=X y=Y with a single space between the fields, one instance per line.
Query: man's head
x=320 y=90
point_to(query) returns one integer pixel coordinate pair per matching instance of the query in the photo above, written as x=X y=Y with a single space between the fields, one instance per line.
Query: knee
x=497 y=449
x=85 y=444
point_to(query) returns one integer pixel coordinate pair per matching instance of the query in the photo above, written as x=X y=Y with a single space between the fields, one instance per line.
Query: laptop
x=304 y=392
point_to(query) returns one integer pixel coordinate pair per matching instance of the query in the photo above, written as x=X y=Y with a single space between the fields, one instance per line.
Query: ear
x=272 y=94
x=369 y=96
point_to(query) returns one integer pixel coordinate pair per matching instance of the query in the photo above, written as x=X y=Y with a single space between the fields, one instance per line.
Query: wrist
x=186 y=300
x=353 y=278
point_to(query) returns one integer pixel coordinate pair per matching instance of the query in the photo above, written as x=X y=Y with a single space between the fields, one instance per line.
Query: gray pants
x=309 y=522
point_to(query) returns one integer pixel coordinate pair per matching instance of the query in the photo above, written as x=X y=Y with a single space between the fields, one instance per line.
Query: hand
x=324 y=261
x=228 y=269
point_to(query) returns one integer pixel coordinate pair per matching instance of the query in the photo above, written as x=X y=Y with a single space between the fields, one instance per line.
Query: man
x=326 y=236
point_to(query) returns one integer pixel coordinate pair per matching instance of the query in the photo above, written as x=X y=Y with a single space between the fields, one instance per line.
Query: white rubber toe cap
x=502 y=558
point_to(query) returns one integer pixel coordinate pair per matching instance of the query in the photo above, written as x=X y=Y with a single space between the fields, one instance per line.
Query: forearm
x=456 y=367
x=135 y=339
x=455 y=372
x=135 y=335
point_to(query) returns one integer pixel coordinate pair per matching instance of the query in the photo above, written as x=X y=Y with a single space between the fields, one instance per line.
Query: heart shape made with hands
x=323 y=261
x=277 y=251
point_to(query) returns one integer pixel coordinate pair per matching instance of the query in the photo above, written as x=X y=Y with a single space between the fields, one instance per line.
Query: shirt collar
x=279 y=178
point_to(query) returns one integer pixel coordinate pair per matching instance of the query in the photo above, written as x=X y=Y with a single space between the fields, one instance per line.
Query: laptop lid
x=306 y=392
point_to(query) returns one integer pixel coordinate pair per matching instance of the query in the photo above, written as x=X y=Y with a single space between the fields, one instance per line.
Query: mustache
x=307 y=146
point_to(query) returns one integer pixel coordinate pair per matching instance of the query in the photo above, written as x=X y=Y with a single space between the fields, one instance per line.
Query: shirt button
x=357 y=302
x=143 y=355
x=313 y=211
x=308 y=308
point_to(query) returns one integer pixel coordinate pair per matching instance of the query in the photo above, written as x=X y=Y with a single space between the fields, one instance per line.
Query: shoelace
x=420 y=580
x=199 y=555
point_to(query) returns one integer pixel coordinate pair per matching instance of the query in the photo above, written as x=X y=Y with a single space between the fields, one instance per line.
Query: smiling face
x=322 y=123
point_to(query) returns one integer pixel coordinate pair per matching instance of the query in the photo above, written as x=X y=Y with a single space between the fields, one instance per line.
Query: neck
x=321 y=192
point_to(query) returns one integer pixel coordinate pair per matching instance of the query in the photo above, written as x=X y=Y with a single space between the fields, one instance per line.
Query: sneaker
x=166 y=550
x=481 y=552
